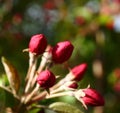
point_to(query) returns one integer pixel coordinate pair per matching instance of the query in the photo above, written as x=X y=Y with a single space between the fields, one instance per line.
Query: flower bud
x=62 y=52
x=37 y=44
x=77 y=72
x=46 y=79
x=92 y=97
x=71 y=84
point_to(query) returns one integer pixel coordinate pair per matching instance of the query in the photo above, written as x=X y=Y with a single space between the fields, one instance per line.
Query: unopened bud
x=91 y=97
x=77 y=72
x=71 y=84
x=37 y=44
x=46 y=79
x=62 y=52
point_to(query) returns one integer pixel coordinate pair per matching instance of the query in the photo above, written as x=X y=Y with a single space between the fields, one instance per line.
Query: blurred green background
x=93 y=27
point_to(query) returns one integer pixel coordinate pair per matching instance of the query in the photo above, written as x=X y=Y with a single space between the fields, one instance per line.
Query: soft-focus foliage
x=93 y=27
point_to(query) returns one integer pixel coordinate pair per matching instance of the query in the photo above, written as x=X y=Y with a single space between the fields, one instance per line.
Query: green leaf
x=34 y=110
x=12 y=75
x=61 y=107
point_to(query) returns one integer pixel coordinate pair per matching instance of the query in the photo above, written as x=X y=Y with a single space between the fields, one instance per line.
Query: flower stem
x=35 y=90
x=45 y=62
x=39 y=97
x=69 y=93
x=31 y=71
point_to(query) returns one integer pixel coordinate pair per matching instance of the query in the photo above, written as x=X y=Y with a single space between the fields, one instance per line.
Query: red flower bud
x=62 y=52
x=92 y=97
x=73 y=85
x=37 y=44
x=77 y=72
x=46 y=79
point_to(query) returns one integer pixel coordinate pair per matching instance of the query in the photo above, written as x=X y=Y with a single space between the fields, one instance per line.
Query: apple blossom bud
x=62 y=52
x=77 y=72
x=92 y=97
x=71 y=84
x=37 y=44
x=46 y=79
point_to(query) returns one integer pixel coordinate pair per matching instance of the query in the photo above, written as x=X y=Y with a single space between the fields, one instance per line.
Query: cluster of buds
x=41 y=81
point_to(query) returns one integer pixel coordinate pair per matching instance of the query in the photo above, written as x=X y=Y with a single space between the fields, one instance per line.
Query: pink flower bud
x=37 y=44
x=46 y=79
x=71 y=84
x=62 y=52
x=92 y=97
x=77 y=72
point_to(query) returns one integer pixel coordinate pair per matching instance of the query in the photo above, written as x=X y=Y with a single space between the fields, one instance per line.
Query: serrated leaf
x=12 y=75
x=61 y=107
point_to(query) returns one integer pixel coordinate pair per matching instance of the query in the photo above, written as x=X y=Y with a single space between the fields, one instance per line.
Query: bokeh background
x=93 y=27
